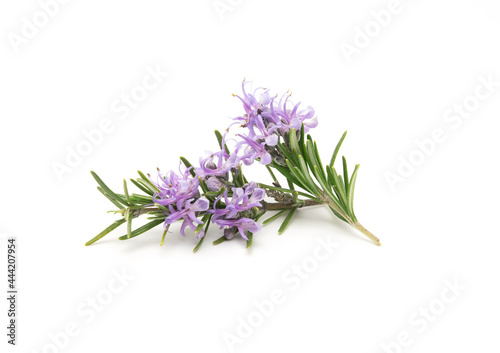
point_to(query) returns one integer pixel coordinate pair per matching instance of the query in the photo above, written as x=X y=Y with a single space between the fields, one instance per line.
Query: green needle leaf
x=113 y=226
x=350 y=191
x=250 y=239
x=219 y=139
x=294 y=144
x=146 y=182
x=338 y=214
x=302 y=139
x=146 y=190
x=125 y=190
x=163 y=236
x=287 y=220
x=117 y=204
x=207 y=221
x=286 y=173
x=275 y=216
x=108 y=190
x=339 y=188
x=142 y=229
x=220 y=240
x=285 y=151
x=188 y=165
x=346 y=174
x=334 y=156
x=272 y=174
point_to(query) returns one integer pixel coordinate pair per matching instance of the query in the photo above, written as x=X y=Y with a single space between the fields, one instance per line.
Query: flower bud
x=214 y=184
x=230 y=232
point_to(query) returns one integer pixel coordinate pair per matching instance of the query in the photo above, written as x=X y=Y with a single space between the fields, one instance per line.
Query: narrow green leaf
x=297 y=173
x=331 y=180
x=346 y=174
x=302 y=139
x=351 y=190
x=114 y=225
x=220 y=240
x=334 y=156
x=287 y=220
x=215 y=194
x=241 y=180
x=274 y=217
x=146 y=190
x=286 y=173
x=161 y=207
x=294 y=144
x=164 y=235
x=125 y=191
x=339 y=189
x=108 y=190
x=219 y=139
x=314 y=163
x=272 y=174
x=116 y=203
x=285 y=151
x=331 y=196
x=146 y=180
x=203 y=185
x=205 y=218
x=142 y=229
x=188 y=165
x=250 y=239
x=311 y=183
x=316 y=153
x=141 y=198
x=204 y=235
x=338 y=214
x=147 y=184
x=162 y=217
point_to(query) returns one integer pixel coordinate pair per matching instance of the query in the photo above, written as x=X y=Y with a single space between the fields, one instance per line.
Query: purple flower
x=291 y=117
x=187 y=211
x=180 y=194
x=265 y=121
x=242 y=224
x=217 y=164
x=236 y=212
x=253 y=103
x=251 y=150
x=174 y=188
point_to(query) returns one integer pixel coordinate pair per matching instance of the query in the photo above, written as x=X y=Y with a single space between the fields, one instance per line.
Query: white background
x=439 y=225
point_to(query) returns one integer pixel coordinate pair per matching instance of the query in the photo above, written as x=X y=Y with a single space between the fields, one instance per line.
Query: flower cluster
x=179 y=196
x=265 y=121
x=236 y=214
x=179 y=193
